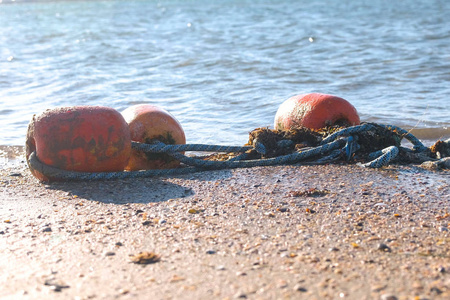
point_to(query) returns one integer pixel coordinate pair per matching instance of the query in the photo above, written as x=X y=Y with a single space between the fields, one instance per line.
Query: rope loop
x=382 y=157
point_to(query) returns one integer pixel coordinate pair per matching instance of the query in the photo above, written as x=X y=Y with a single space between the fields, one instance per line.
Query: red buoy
x=148 y=123
x=315 y=111
x=80 y=138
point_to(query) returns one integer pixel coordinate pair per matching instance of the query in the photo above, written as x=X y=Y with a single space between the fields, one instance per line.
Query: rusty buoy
x=147 y=124
x=315 y=111
x=79 y=138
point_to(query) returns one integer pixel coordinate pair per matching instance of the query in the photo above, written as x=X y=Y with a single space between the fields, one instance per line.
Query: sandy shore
x=294 y=232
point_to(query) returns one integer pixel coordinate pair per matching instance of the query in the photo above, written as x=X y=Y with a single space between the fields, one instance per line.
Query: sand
x=285 y=232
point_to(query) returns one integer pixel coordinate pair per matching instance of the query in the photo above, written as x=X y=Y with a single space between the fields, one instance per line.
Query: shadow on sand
x=141 y=190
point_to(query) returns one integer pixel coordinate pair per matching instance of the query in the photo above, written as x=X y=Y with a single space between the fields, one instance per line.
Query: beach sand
x=285 y=232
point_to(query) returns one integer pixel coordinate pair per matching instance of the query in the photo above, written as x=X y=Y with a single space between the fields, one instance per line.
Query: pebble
x=56 y=285
x=388 y=297
x=300 y=288
x=211 y=251
x=46 y=229
x=384 y=247
x=436 y=290
x=283 y=209
x=240 y=295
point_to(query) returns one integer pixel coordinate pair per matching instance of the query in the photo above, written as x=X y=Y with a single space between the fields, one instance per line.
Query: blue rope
x=159 y=147
x=417 y=145
x=384 y=157
x=55 y=173
x=279 y=160
x=347 y=132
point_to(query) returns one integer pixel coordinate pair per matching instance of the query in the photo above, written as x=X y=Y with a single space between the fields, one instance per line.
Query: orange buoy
x=315 y=111
x=148 y=123
x=80 y=138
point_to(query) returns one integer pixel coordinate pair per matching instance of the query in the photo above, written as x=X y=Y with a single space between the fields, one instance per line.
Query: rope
x=343 y=143
x=55 y=173
x=159 y=147
x=418 y=146
x=279 y=160
x=402 y=133
x=382 y=157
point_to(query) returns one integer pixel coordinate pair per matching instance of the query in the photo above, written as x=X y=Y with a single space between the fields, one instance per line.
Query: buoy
x=315 y=111
x=148 y=123
x=79 y=138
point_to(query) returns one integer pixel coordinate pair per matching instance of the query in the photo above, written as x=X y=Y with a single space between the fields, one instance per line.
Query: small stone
x=282 y=284
x=240 y=295
x=384 y=247
x=283 y=209
x=436 y=290
x=378 y=288
x=211 y=251
x=56 y=286
x=300 y=288
x=123 y=291
x=145 y=258
x=193 y=211
x=119 y=244
x=388 y=297
x=46 y=229
x=333 y=249
x=220 y=268
x=110 y=253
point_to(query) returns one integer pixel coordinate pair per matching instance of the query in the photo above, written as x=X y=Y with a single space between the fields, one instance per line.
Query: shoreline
x=305 y=232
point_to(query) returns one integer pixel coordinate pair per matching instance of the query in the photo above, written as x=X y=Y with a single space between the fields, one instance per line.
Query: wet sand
x=294 y=232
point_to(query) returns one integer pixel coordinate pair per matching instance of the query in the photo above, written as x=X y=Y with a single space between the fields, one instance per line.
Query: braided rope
x=385 y=156
x=347 y=131
x=55 y=173
x=418 y=146
x=279 y=160
x=159 y=147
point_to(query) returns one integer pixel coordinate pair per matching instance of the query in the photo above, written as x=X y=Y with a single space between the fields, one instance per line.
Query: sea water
x=222 y=68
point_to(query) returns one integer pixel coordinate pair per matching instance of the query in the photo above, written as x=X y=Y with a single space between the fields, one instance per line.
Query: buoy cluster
x=98 y=138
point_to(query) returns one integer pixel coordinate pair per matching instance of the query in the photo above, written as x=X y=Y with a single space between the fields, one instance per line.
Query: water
x=223 y=67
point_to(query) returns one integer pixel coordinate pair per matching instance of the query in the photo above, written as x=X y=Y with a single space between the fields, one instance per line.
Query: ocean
x=222 y=68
